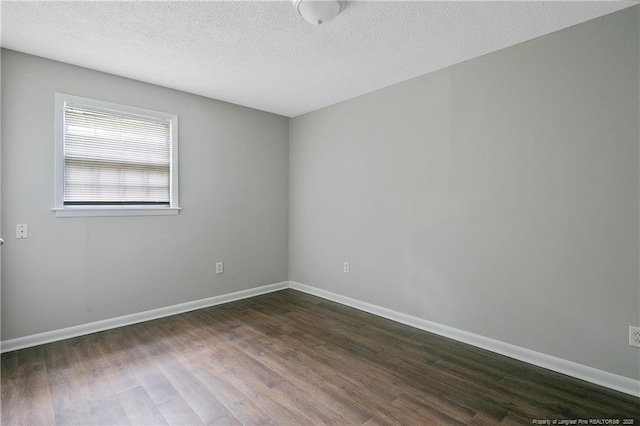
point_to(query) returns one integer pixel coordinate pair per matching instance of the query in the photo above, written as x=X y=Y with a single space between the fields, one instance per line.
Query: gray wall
x=499 y=196
x=70 y=271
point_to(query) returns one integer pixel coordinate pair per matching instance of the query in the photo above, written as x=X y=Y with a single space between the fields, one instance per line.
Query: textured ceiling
x=261 y=54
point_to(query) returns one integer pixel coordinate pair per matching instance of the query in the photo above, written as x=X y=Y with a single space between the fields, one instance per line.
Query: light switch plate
x=22 y=231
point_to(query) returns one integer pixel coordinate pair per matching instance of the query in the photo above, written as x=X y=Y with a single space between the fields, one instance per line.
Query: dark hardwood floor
x=291 y=359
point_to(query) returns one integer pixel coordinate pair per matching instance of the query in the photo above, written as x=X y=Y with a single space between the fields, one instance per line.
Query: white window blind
x=113 y=158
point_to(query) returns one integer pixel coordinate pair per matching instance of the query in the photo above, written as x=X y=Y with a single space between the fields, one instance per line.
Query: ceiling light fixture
x=318 y=11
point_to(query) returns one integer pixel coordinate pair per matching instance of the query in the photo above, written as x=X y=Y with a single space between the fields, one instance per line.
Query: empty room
x=320 y=212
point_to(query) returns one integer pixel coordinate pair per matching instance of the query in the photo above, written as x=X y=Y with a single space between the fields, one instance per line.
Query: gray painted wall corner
x=72 y=271
x=499 y=196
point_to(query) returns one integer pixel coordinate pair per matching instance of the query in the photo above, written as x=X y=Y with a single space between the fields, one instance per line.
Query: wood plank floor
x=291 y=359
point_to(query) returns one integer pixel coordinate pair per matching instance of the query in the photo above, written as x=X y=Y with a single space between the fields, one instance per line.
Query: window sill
x=93 y=211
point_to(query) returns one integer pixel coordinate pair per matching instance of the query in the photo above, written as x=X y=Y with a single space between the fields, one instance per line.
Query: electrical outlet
x=22 y=231
x=346 y=267
x=634 y=336
x=219 y=268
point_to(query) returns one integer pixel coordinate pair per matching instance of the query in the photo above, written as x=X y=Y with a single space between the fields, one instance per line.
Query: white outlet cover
x=634 y=336
x=219 y=267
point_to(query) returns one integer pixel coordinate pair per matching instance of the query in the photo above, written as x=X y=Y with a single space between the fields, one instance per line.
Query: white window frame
x=61 y=210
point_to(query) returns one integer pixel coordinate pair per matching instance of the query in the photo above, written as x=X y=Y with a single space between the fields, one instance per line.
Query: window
x=114 y=160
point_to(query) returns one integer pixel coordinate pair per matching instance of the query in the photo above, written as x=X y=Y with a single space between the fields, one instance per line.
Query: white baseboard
x=94 y=327
x=583 y=372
